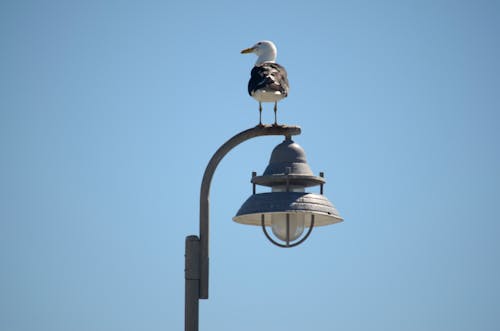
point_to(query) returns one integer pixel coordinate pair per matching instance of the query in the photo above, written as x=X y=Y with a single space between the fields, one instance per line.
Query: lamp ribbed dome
x=288 y=164
x=288 y=158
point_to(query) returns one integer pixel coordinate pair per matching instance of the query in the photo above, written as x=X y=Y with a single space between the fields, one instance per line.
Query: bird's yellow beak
x=248 y=50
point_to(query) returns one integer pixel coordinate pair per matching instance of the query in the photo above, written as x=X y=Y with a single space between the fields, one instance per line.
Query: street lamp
x=287 y=209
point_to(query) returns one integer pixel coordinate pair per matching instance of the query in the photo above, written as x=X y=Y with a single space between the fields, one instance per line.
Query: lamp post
x=288 y=209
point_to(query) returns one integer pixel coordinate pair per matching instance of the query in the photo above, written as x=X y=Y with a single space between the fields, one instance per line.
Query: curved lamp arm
x=260 y=130
x=196 y=269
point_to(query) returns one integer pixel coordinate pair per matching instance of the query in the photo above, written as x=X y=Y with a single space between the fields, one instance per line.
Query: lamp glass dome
x=288 y=230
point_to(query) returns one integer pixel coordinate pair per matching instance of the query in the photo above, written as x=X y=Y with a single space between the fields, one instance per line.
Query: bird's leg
x=275 y=111
x=260 y=113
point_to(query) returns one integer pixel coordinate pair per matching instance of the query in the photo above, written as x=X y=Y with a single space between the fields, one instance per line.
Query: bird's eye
x=259 y=43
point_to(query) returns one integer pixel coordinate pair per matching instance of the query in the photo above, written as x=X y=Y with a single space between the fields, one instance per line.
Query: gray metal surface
x=295 y=180
x=260 y=130
x=288 y=163
x=192 y=279
x=287 y=202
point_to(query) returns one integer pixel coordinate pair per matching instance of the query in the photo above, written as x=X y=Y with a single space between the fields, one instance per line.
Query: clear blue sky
x=110 y=111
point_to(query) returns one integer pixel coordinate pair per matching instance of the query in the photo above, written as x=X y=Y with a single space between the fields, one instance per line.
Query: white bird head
x=265 y=50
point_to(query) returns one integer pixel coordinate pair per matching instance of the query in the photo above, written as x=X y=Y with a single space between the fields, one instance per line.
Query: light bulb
x=296 y=223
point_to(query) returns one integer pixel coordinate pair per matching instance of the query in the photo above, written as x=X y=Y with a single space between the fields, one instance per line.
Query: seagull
x=268 y=80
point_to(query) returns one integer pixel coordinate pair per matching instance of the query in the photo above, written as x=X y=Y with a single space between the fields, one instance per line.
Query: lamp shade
x=275 y=203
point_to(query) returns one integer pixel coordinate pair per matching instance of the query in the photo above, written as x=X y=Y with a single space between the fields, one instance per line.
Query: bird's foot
x=275 y=114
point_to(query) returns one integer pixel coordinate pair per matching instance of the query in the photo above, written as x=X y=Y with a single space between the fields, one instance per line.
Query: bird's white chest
x=267 y=96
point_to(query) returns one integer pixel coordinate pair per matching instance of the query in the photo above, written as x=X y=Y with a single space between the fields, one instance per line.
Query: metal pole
x=192 y=276
x=260 y=130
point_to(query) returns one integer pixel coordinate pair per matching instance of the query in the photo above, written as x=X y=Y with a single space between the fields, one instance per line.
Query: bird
x=268 y=79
